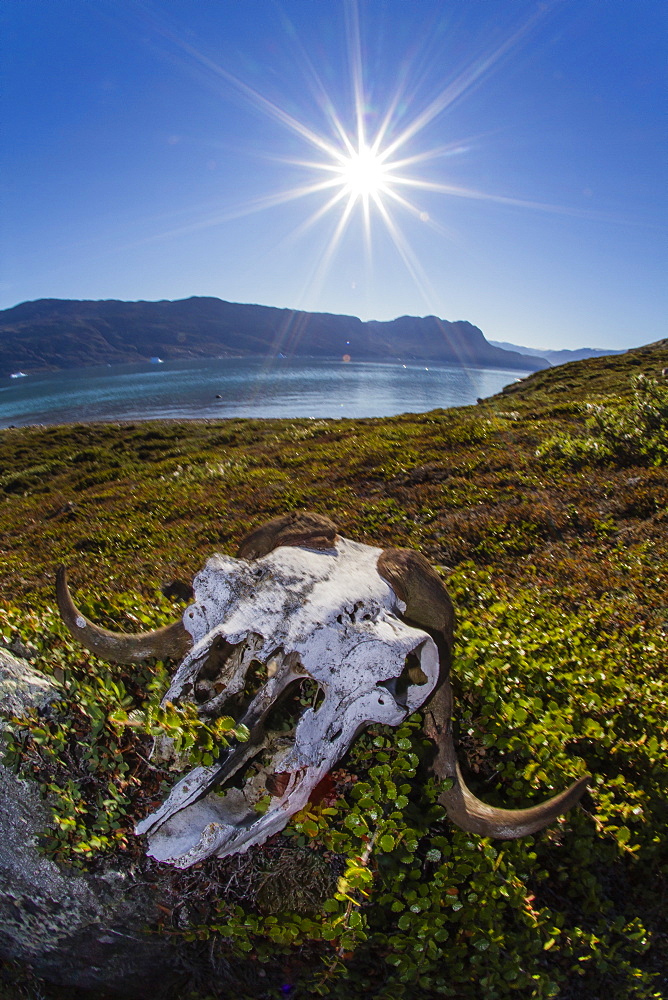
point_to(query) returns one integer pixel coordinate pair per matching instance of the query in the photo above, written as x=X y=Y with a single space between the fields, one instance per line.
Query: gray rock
x=22 y=687
x=74 y=928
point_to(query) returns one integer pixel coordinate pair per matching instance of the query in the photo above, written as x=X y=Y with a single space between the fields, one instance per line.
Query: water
x=247 y=388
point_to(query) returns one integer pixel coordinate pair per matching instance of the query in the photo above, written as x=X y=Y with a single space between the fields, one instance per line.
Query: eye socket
x=218 y=654
x=256 y=677
x=222 y=663
x=411 y=675
x=413 y=670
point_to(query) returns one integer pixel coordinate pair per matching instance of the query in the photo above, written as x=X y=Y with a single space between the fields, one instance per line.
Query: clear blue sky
x=158 y=150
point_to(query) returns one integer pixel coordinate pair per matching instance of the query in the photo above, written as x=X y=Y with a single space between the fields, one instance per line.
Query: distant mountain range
x=51 y=334
x=555 y=358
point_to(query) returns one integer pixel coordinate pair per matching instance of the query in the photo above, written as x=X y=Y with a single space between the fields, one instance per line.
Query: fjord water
x=238 y=387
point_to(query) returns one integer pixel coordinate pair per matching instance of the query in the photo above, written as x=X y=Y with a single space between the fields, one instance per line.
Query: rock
x=21 y=687
x=74 y=928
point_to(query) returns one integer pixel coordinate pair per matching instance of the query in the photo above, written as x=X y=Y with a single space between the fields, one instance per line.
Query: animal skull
x=368 y=629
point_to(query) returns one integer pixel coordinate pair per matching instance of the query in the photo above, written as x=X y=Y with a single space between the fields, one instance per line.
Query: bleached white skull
x=326 y=615
x=366 y=630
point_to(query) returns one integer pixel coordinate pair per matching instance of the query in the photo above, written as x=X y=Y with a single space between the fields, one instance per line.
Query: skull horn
x=299 y=527
x=173 y=641
x=428 y=605
x=462 y=806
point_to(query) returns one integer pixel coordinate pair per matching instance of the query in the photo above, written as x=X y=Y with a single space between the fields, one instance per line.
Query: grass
x=558 y=571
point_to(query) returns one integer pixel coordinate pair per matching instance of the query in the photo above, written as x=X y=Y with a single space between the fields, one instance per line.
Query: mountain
x=555 y=358
x=50 y=334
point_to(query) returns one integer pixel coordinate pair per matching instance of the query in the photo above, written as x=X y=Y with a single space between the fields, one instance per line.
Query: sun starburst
x=376 y=174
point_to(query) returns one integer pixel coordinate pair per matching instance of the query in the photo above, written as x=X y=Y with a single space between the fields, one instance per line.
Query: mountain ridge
x=52 y=334
x=561 y=357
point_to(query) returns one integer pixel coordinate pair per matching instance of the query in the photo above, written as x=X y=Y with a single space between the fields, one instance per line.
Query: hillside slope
x=557 y=565
x=591 y=377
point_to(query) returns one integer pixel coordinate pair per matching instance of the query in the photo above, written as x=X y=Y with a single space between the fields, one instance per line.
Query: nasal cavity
x=301 y=694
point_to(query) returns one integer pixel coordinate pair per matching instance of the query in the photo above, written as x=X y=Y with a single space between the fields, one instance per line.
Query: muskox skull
x=370 y=628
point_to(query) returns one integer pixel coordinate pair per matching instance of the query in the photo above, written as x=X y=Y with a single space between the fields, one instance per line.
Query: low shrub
x=633 y=432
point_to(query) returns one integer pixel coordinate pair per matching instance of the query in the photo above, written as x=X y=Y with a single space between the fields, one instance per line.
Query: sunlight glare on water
x=218 y=388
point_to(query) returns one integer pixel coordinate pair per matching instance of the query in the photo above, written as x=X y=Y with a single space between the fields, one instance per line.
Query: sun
x=364 y=173
x=373 y=172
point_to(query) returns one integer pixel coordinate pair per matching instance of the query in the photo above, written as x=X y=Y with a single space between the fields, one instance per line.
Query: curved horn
x=474 y=816
x=423 y=592
x=171 y=641
x=428 y=605
x=299 y=527
x=462 y=806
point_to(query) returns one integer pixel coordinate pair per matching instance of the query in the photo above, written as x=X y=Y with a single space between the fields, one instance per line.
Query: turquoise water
x=247 y=388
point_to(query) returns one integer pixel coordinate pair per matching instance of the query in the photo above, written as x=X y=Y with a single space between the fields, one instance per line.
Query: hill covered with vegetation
x=545 y=509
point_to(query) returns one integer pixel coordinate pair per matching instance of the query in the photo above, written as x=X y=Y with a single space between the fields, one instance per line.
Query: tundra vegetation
x=545 y=509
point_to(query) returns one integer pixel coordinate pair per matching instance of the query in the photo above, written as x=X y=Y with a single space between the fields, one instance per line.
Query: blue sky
x=165 y=149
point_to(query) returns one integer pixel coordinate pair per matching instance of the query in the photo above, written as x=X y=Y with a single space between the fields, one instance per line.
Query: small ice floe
x=18 y=375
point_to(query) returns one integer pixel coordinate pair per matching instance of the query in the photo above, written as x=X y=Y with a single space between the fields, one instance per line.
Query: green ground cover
x=545 y=509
